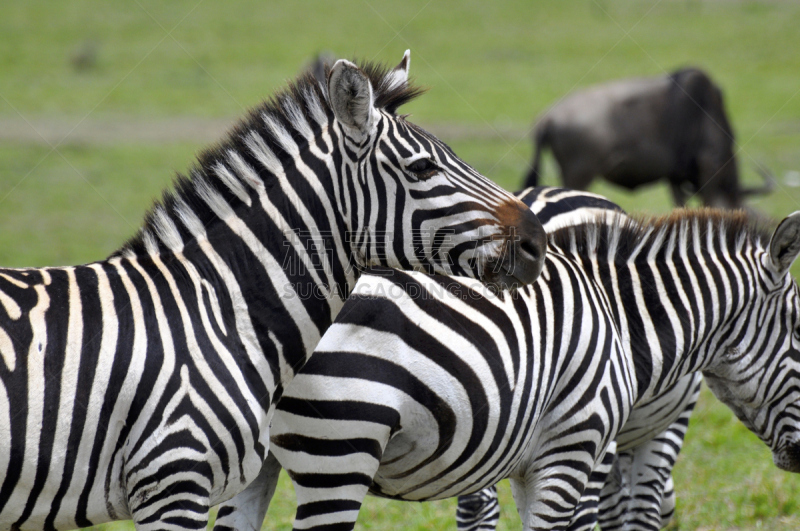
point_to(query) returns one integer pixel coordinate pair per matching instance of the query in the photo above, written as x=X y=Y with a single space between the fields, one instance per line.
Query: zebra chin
x=520 y=264
x=788 y=457
x=501 y=277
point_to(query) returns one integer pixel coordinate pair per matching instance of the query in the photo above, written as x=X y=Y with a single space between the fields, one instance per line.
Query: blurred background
x=101 y=103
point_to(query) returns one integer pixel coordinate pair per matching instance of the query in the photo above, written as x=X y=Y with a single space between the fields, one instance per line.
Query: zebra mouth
x=517 y=267
x=788 y=457
x=501 y=277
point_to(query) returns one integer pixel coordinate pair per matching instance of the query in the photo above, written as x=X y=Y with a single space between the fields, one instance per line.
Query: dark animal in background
x=638 y=131
x=320 y=66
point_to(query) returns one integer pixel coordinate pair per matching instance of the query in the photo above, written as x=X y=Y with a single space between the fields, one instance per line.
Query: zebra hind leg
x=668 y=503
x=479 y=511
x=331 y=476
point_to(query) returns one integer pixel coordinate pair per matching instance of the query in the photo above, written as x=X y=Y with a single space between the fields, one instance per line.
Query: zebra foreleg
x=246 y=510
x=478 y=511
x=585 y=517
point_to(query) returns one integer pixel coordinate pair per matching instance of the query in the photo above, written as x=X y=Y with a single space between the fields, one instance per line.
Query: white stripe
x=66 y=403
x=35 y=404
x=166 y=230
x=14 y=281
x=107 y=326
x=230 y=180
x=10 y=305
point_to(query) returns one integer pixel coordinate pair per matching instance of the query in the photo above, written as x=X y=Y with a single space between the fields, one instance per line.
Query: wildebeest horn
x=767 y=187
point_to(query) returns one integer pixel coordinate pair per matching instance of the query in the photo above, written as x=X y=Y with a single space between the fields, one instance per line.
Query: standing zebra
x=554 y=207
x=639 y=493
x=426 y=388
x=142 y=386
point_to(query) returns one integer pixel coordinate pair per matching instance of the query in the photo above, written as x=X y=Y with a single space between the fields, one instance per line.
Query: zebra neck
x=259 y=222
x=667 y=330
x=674 y=285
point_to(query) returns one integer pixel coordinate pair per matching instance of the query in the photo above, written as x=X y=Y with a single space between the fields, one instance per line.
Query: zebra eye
x=797 y=333
x=422 y=168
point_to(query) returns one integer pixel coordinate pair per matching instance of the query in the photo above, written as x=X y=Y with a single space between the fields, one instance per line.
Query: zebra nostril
x=530 y=248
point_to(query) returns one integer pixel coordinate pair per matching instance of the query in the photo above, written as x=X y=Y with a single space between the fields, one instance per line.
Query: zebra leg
x=332 y=468
x=246 y=510
x=615 y=497
x=520 y=493
x=668 y=503
x=478 y=511
x=551 y=490
x=585 y=517
x=481 y=511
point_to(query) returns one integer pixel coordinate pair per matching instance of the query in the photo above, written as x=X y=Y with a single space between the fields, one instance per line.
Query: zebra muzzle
x=788 y=457
x=522 y=257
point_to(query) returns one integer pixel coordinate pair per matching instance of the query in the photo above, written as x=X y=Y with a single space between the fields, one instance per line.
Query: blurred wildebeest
x=637 y=131
x=320 y=66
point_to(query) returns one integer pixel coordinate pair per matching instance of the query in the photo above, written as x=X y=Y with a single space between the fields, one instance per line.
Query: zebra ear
x=784 y=246
x=399 y=74
x=351 y=96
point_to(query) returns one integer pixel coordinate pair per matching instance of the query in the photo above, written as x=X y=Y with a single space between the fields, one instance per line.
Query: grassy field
x=492 y=68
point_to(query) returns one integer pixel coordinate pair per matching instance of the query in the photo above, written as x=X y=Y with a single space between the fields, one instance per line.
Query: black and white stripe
x=142 y=386
x=639 y=492
x=426 y=388
x=556 y=208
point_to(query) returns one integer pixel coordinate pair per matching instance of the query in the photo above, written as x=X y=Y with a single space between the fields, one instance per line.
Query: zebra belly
x=651 y=418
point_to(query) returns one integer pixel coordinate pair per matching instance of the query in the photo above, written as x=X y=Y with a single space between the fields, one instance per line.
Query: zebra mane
x=220 y=179
x=621 y=238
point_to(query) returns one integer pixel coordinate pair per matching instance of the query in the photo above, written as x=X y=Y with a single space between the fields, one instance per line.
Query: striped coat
x=143 y=386
x=425 y=387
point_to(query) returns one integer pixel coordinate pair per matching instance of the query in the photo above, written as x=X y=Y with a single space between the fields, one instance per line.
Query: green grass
x=492 y=67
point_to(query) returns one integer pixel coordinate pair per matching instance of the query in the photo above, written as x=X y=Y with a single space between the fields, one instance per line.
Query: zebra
x=634 y=488
x=554 y=207
x=559 y=207
x=142 y=386
x=639 y=493
x=428 y=387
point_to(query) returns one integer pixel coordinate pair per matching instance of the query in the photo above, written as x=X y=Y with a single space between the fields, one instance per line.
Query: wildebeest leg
x=678 y=193
x=246 y=510
x=577 y=175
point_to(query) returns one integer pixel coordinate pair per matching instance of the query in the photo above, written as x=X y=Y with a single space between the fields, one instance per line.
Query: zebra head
x=410 y=201
x=758 y=375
